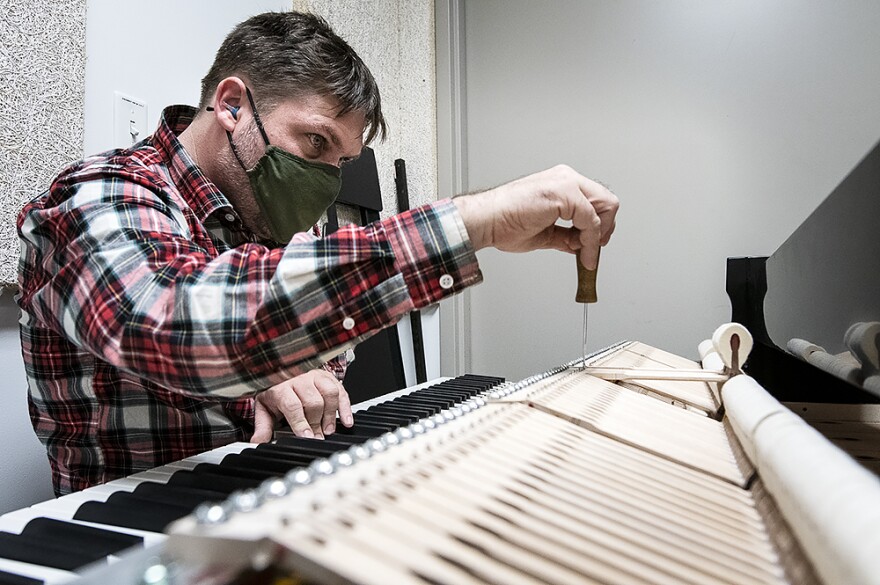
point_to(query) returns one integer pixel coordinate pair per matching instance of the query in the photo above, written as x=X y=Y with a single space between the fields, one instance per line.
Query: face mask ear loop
x=235 y=150
x=256 y=115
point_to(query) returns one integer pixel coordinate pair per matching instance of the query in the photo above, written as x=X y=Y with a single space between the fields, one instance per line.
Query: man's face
x=307 y=127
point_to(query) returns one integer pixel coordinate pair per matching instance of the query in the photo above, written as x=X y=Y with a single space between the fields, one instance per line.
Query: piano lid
x=826 y=275
x=821 y=281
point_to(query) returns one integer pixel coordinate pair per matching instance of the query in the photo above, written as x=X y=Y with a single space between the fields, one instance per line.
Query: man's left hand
x=308 y=402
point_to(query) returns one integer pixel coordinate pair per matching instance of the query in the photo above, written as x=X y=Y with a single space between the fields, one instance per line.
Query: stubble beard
x=235 y=184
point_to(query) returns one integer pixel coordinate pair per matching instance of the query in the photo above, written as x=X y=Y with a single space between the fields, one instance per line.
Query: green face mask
x=292 y=192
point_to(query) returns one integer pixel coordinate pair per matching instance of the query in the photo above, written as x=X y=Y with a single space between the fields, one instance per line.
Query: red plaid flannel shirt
x=143 y=332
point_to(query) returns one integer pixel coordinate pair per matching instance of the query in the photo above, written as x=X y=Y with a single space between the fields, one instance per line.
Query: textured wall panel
x=395 y=38
x=42 y=68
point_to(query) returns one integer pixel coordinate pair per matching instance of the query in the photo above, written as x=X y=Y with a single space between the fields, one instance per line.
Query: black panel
x=785 y=376
x=378 y=368
x=360 y=183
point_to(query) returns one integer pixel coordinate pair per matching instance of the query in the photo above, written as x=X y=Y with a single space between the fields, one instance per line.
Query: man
x=164 y=286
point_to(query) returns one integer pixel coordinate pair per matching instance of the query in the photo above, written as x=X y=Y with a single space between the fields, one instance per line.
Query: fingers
x=605 y=203
x=329 y=389
x=308 y=403
x=264 y=424
x=345 y=407
x=295 y=412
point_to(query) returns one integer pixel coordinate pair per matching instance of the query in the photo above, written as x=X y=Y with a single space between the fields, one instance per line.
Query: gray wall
x=721 y=126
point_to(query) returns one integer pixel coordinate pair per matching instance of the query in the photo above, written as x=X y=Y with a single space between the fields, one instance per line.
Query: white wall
x=721 y=125
x=157 y=51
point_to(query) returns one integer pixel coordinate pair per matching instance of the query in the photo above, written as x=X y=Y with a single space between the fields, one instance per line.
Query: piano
x=757 y=464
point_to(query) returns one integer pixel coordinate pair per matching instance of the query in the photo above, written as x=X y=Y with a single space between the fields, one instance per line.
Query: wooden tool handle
x=586 y=292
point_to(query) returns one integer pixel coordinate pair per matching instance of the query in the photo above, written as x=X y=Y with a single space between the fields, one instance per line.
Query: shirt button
x=348 y=323
x=229 y=217
x=446 y=281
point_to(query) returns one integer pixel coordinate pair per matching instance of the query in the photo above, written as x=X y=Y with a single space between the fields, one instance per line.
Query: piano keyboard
x=50 y=542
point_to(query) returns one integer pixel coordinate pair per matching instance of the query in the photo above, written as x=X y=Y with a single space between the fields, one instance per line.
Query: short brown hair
x=291 y=54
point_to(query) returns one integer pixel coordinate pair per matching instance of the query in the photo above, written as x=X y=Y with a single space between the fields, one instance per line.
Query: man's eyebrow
x=329 y=131
x=334 y=138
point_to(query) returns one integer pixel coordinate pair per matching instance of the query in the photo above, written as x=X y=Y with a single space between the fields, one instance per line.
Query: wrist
x=472 y=210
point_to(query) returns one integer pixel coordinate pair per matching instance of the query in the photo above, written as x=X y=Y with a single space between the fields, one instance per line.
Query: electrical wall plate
x=129 y=120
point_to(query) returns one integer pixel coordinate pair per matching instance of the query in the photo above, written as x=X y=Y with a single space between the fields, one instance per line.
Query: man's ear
x=227 y=103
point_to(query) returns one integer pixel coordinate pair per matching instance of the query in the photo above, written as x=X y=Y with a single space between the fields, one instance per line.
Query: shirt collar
x=202 y=195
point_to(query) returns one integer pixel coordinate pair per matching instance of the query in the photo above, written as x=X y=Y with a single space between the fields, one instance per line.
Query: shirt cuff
x=433 y=252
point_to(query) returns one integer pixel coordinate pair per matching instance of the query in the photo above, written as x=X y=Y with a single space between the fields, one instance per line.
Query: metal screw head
x=156 y=574
x=274 y=488
x=299 y=477
x=212 y=513
x=359 y=452
x=389 y=439
x=342 y=459
x=245 y=500
x=375 y=446
x=322 y=467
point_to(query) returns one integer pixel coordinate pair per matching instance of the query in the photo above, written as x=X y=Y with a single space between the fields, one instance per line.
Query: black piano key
x=275 y=466
x=452 y=394
x=208 y=480
x=424 y=410
x=94 y=541
x=380 y=420
x=10 y=579
x=28 y=549
x=463 y=390
x=442 y=404
x=335 y=440
x=137 y=514
x=396 y=413
x=443 y=396
x=416 y=413
x=369 y=431
x=236 y=471
x=182 y=496
x=317 y=451
x=299 y=456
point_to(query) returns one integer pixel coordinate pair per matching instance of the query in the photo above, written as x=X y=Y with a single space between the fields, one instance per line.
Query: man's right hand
x=308 y=402
x=521 y=215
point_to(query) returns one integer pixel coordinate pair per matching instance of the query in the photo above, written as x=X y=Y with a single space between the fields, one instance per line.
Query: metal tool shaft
x=586 y=322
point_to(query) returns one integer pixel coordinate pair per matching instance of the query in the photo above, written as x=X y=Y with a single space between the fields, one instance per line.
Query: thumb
x=264 y=424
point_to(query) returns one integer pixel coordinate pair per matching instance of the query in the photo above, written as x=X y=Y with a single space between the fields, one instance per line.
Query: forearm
x=252 y=317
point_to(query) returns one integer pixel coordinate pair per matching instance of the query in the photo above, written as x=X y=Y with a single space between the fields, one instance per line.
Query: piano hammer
x=586 y=294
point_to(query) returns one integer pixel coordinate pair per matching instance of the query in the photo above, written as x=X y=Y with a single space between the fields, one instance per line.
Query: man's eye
x=317 y=141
